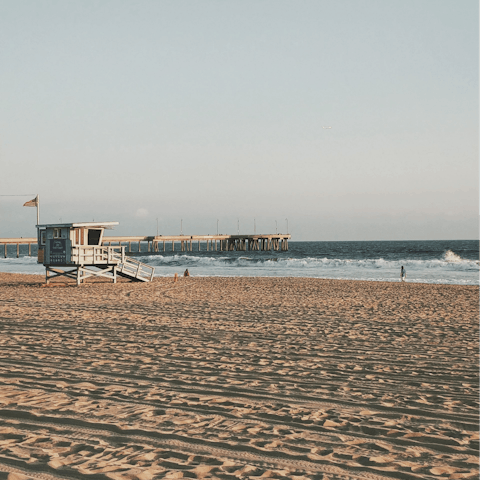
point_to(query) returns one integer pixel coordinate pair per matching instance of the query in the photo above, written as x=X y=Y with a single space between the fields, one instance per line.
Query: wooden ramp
x=134 y=270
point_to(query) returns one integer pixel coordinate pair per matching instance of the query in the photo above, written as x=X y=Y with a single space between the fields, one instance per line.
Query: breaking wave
x=23 y=264
x=452 y=257
x=449 y=259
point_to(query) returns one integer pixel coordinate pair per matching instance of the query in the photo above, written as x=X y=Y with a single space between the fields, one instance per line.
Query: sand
x=229 y=378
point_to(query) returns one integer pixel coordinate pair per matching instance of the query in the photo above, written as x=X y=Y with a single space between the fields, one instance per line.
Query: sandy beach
x=284 y=378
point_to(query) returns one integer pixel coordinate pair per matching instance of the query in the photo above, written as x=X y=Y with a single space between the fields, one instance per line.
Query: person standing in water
x=403 y=274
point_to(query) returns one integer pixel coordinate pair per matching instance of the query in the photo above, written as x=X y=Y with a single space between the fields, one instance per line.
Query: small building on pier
x=78 y=246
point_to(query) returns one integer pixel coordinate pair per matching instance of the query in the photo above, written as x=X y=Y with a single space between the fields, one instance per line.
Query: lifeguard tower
x=75 y=250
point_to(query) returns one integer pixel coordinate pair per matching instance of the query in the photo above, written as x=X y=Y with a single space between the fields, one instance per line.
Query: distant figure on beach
x=186 y=273
x=403 y=274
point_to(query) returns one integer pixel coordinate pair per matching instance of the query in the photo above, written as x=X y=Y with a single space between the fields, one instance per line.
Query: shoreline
x=180 y=275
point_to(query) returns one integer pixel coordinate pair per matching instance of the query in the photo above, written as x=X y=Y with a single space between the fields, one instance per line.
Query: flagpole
x=38 y=209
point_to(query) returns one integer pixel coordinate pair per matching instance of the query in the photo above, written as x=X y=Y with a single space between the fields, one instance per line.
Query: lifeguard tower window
x=57 y=233
x=43 y=237
x=94 y=237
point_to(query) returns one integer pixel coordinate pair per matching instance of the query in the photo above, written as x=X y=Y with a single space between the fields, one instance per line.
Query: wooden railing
x=93 y=254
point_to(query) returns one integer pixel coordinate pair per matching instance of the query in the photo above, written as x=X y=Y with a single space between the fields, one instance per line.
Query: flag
x=32 y=203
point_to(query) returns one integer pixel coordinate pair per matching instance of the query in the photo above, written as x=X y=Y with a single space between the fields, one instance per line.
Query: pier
x=222 y=243
x=181 y=243
x=18 y=241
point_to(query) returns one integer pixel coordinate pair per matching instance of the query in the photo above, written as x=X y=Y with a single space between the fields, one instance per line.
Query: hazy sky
x=202 y=110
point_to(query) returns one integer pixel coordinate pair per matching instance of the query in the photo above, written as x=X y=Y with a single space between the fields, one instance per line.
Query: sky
x=191 y=112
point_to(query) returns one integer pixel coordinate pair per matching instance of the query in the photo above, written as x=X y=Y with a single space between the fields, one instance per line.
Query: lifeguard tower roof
x=106 y=225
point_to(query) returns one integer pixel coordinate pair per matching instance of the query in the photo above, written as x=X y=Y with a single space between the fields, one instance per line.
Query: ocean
x=439 y=261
